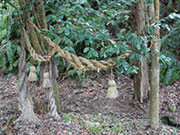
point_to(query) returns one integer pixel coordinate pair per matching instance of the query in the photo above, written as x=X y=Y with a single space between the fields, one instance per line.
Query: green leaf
x=3 y=34
x=173 y=15
x=71 y=72
x=69 y=49
x=132 y=69
x=95 y=53
x=138 y=57
x=134 y=35
x=67 y=32
x=82 y=1
x=139 y=41
x=79 y=8
x=50 y=17
x=15 y=64
x=86 y=50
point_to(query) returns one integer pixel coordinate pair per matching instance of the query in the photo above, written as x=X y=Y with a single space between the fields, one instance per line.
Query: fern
x=9 y=52
x=9 y=55
x=170 y=51
x=168 y=76
x=170 y=69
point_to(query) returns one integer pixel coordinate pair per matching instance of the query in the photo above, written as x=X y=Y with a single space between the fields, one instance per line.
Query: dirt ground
x=87 y=99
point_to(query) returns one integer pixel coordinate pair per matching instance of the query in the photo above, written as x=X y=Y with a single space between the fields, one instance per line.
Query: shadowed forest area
x=90 y=67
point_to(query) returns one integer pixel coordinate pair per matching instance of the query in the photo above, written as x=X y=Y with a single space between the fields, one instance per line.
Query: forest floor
x=85 y=110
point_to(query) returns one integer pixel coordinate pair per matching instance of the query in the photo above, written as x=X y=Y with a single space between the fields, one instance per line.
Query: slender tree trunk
x=31 y=31
x=25 y=100
x=53 y=71
x=141 y=81
x=155 y=68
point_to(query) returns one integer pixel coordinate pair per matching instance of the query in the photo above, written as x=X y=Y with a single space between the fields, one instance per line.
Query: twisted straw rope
x=77 y=62
x=52 y=105
x=37 y=56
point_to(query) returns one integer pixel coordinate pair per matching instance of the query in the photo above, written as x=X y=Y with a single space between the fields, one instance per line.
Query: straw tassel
x=46 y=82
x=32 y=75
x=112 y=89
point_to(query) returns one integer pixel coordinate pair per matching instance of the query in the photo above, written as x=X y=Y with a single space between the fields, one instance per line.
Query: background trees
x=92 y=29
x=107 y=32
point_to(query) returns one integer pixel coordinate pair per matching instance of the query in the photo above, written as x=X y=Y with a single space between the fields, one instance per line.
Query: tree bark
x=141 y=81
x=155 y=67
x=53 y=71
x=31 y=32
x=25 y=100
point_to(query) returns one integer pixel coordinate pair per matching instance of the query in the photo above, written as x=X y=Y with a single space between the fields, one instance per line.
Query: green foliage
x=170 y=69
x=96 y=30
x=96 y=128
x=97 y=118
x=67 y=117
x=117 y=128
x=78 y=74
x=9 y=50
x=9 y=53
x=170 y=60
x=5 y=23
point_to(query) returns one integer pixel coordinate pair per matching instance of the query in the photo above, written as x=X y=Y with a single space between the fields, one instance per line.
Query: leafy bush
x=9 y=50
x=92 y=29
x=170 y=69
x=170 y=42
x=96 y=30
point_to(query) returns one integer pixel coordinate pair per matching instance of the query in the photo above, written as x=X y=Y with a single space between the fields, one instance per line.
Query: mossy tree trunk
x=26 y=105
x=25 y=100
x=155 y=67
x=141 y=80
x=30 y=29
x=52 y=66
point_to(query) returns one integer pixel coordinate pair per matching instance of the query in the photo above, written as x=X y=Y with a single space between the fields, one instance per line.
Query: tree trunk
x=141 y=81
x=25 y=100
x=155 y=68
x=31 y=32
x=53 y=75
x=53 y=71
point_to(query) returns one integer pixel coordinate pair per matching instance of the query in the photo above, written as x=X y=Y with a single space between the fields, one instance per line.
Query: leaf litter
x=85 y=109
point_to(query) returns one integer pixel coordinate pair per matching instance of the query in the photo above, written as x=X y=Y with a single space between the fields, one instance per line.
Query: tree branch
x=13 y=5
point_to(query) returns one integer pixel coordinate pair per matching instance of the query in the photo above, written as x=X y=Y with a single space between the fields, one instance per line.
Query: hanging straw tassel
x=32 y=75
x=46 y=82
x=112 y=90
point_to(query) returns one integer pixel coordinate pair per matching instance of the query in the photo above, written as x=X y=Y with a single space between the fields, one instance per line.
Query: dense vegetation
x=100 y=32
x=95 y=29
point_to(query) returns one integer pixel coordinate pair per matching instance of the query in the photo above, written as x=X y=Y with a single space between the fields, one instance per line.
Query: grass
x=141 y=125
x=117 y=128
x=78 y=121
x=67 y=117
x=96 y=128
x=97 y=118
x=101 y=128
